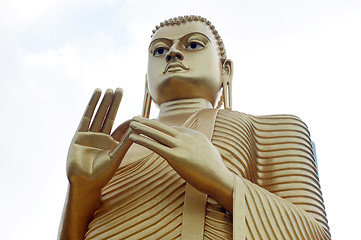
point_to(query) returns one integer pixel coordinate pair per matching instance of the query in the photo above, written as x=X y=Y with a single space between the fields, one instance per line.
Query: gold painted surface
x=255 y=176
x=266 y=153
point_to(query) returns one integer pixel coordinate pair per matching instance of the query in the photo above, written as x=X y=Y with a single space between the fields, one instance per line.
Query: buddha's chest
x=135 y=153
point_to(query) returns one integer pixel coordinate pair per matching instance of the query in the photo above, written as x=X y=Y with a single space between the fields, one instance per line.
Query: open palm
x=94 y=156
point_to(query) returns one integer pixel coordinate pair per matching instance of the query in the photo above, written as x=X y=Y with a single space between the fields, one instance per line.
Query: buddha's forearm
x=78 y=211
x=222 y=192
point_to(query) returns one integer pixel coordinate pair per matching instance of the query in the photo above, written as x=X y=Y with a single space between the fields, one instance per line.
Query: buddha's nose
x=174 y=53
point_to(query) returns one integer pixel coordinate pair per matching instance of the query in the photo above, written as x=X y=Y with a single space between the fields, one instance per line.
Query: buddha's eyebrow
x=194 y=33
x=159 y=39
x=181 y=38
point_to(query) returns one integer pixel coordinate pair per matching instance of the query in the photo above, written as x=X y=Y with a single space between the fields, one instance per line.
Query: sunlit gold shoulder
x=275 y=153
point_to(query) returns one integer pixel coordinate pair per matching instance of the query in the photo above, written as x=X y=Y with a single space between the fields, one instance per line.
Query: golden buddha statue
x=196 y=171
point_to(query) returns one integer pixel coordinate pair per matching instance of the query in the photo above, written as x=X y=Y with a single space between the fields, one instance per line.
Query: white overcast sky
x=297 y=57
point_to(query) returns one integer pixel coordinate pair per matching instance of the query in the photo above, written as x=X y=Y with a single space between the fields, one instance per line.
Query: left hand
x=189 y=153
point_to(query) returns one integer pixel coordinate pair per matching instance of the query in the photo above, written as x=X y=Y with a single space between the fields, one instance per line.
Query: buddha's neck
x=183 y=107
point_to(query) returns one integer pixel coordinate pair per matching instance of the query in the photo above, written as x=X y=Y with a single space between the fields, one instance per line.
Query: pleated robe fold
x=276 y=187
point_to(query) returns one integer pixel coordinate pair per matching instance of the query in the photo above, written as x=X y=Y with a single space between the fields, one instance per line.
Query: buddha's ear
x=227 y=76
x=227 y=70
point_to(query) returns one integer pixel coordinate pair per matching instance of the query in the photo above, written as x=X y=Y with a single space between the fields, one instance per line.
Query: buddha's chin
x=182 y=86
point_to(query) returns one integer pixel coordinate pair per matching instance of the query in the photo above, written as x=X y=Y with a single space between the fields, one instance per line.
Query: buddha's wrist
x=222 y=192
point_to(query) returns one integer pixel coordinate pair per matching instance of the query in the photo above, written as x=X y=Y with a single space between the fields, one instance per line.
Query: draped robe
x=276 y=191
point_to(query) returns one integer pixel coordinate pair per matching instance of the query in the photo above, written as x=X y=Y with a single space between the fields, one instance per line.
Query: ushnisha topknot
x=184 y=19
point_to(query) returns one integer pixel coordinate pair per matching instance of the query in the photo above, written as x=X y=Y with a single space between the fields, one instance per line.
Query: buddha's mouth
x=174 y=67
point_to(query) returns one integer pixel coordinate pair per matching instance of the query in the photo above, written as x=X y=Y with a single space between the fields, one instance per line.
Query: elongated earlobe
x=147 y=102
x=227 y=95
x=227 y=83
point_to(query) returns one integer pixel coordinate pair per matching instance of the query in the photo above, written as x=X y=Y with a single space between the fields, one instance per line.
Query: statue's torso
x=144 y=200
x=145 y=197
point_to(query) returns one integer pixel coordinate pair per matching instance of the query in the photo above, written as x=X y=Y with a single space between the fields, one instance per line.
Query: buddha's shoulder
x=273 y=119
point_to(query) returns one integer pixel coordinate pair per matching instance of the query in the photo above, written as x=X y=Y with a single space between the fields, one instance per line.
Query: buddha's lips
x=171 y=65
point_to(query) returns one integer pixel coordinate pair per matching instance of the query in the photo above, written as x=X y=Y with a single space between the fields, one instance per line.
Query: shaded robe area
x=276 y=192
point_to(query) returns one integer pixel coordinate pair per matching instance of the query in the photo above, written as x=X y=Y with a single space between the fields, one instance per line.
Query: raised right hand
x=94 y=156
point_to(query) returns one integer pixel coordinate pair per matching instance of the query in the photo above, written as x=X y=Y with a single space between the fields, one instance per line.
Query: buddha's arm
x=279 y=197
x=78 y=211
x=93 y=158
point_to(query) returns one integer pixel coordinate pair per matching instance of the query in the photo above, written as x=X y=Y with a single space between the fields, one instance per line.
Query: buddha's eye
x=160 y=51
x=194 y=46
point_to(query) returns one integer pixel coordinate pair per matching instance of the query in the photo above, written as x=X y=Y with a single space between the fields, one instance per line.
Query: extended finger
x=112 y=112
x=160 y=149
x=102 y=111
x=87 y=116
x=119 y=152
x=156 y=125
x=154 y=134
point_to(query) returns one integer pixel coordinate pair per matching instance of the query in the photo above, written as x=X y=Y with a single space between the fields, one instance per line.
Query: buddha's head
x=186 y=60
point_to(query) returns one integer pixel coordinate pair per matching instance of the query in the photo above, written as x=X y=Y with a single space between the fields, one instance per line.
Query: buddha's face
x=183 y=63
